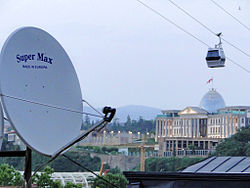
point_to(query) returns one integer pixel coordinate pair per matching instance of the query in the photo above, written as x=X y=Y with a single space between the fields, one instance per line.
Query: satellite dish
x=40 y=90
x=1 y=126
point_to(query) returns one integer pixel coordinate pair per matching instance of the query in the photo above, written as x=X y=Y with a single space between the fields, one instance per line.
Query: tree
x=9 y=176
x=128 y=122
x=86 y=124
x=236 y=145
x=44 y=179
x=140 y=121
x=72 y=185
x=87 y=120
x=61 y=164
x=171 y=164
x=115 y=170
x=115 y=179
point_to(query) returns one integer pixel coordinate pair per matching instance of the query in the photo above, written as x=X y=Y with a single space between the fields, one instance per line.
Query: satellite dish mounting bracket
x=109 y=113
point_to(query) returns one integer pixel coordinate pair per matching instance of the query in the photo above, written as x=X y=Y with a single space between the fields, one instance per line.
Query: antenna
x=34 y=70
x=41 y=95
x=1 y=126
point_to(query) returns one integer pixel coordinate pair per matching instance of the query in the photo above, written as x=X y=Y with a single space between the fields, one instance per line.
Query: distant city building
x=12 y=137
x=112 y=138
x=197 y=130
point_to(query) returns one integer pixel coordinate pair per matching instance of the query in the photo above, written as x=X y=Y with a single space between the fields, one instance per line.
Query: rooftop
x=221 y=165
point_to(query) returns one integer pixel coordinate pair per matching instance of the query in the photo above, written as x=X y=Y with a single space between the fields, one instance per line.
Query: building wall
x=221 y=125
x=202 y=130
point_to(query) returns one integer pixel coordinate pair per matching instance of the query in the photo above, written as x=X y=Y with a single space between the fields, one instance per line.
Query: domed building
x=202 y=127
x=212 y=101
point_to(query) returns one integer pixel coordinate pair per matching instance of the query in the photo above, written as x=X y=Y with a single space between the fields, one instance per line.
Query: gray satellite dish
x=40 y=90
x=1 y=126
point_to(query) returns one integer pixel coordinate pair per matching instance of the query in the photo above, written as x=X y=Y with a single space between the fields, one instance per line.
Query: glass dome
x=212 y=101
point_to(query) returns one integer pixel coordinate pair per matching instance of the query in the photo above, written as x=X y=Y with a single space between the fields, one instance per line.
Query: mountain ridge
x=134 y=111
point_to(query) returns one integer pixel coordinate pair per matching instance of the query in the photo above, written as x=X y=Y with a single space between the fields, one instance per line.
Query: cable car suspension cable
x=182 y=29
x=168 y=20
x=236 y=19
x=206 y=27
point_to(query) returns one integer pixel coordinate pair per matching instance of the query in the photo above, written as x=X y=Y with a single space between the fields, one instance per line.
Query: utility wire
x=207 y=28
x=237 y=64
x=182 y=29
x=51 y=106
x=67 y=157
x=236 y=19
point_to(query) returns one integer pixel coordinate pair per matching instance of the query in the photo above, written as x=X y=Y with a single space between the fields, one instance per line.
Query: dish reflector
x=1 y=126
x=40 y=90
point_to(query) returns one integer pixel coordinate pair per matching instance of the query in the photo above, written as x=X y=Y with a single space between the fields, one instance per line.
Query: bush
x=116 y=179
x=9 y=176
x=44 y=179
x=236 y=145
x=72 y=185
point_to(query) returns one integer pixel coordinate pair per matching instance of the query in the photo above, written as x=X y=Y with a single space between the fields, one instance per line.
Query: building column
x=197 y=128
x=156 y=131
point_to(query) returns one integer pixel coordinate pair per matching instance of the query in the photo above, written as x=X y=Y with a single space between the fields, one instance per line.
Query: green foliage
x=115 y=170
x=141 y=125
x=57 y=184
x=150 y=141
x=172 y=164
x=61 y=164
x=44 y=179
x=86 y=123
x=116 y=179
x=9 y=176
x=9 y=146
x=98 y=149
x=37 y=160
x=16 y=162
x=72 y=185
x=248 y=149
x=236 y=145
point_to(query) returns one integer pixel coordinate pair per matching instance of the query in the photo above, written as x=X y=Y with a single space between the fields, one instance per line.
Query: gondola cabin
x=215 y=58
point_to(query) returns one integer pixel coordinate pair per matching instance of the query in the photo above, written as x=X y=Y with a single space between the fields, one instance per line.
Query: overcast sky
x=125 y=54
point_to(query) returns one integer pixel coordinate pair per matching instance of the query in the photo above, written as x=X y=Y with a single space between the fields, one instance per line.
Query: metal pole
x=28 y=169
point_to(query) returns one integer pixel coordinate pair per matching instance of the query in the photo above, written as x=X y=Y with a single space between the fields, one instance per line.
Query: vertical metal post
x=142 y=157
x=28 y=169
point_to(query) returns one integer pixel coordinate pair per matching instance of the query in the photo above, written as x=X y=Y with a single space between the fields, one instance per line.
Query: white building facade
x=200 y=127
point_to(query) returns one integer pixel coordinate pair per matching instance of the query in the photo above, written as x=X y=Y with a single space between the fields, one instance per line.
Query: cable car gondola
x=215 y=56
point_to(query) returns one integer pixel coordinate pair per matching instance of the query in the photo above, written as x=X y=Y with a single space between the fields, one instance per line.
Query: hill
x=134 y=111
